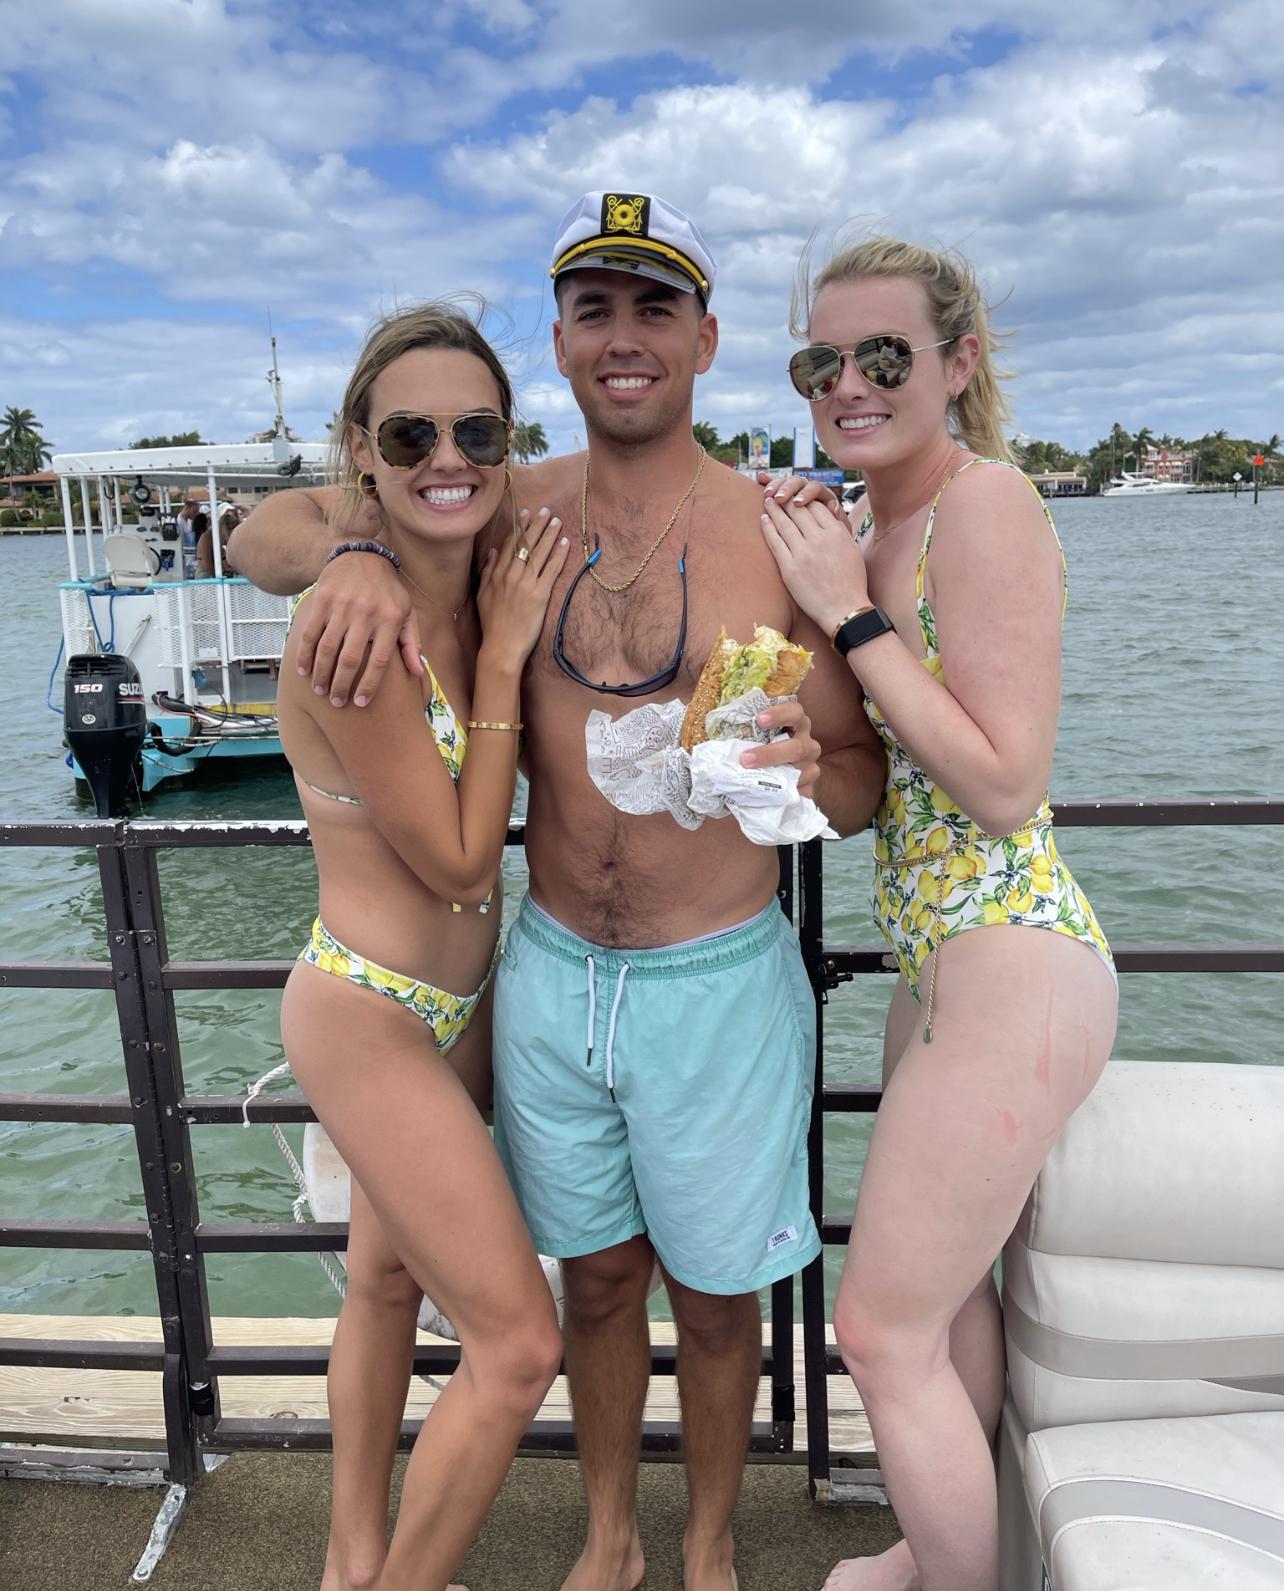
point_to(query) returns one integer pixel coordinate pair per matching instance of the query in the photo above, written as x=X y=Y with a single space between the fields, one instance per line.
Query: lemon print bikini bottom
x=445 y=1015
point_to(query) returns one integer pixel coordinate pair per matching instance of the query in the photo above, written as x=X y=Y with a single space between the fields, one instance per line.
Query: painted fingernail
x=748 y=760
x=361 y=700
x=303 y=671
x=555 y=521
x=319 y=689
x=565 y=542
x=336 y=701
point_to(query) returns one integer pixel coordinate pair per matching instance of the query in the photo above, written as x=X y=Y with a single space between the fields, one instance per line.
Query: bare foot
x=337 y=1577
x=893 y=1570
x=334 y=1579
x=603 y=1568
x=721 y=1583
x=709 y=1568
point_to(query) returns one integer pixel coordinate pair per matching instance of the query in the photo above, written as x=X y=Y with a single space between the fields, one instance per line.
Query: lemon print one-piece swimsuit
x=445 y=1015
x=936 y=873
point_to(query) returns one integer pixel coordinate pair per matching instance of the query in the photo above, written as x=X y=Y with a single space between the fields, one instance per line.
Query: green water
x=1174 y=660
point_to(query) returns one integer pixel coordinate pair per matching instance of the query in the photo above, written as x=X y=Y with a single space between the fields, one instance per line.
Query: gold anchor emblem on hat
x=625 y=214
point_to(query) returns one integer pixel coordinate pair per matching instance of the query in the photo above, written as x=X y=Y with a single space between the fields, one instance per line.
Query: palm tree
x=706 y=435
x=25 y=450
x=1120 y=444
x=529 y=441
x=1144 y=438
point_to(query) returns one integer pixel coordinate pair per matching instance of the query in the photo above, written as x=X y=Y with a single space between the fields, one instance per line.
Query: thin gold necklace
x=655 y=545
x=436 y=601
x=905 y=518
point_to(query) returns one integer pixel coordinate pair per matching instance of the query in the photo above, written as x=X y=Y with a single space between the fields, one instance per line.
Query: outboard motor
x=105 y=721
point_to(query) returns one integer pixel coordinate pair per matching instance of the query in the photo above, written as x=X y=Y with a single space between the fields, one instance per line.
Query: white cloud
x=1117 y=170
x=1111 y=198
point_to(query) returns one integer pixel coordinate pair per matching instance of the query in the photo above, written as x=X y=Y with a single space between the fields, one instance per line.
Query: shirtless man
x=654 y=1028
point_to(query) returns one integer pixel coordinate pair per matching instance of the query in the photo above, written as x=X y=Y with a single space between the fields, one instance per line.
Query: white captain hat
x=626 y=231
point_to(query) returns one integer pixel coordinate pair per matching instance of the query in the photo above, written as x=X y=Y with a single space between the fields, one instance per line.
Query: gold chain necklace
x=436 y=601
x=905 y=518
x=655 y=545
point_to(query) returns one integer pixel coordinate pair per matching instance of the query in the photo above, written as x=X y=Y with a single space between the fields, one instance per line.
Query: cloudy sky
x=172 y=172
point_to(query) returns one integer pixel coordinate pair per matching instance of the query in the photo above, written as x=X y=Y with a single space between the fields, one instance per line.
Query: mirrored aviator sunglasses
x=406 y=440
x=885 y=361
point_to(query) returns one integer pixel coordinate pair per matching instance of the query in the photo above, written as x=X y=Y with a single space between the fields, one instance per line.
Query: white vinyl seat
x=1130 y=1505
x=130 y=561
x=1143 y=1300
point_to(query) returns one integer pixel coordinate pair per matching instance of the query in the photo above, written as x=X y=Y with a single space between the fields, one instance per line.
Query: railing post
x=811 y=928
x=783 y=1399
x=181 y=1440
x=199 y=1391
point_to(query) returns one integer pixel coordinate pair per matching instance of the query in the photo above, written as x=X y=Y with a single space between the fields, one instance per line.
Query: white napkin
x=638 y=765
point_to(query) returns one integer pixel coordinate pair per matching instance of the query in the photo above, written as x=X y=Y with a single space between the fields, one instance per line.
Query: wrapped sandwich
x=769 y=662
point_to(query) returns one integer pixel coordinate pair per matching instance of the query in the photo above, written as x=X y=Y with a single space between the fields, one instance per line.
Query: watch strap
x=859 y=628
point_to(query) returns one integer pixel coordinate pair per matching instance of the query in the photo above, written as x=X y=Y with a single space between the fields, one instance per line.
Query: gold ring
x=524 y=553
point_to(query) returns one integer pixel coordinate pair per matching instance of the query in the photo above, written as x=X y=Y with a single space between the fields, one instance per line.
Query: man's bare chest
x=677 y=605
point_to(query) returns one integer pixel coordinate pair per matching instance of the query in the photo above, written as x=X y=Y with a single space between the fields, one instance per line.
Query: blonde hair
x=956 y=306
x=441 y=323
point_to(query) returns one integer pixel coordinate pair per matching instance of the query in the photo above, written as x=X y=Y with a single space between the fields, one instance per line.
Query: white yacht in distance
x=1131 y=484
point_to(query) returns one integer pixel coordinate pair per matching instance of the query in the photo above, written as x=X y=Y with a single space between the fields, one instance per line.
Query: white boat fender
x=329 y=1193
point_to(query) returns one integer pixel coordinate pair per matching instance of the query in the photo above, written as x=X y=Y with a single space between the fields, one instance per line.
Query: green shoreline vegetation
x=1215 y=458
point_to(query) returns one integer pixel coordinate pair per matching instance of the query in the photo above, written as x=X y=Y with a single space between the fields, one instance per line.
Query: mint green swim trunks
x=665 y=1092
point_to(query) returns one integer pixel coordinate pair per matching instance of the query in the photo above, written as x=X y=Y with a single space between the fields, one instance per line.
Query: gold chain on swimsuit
x=938 y=904
x=655 y=545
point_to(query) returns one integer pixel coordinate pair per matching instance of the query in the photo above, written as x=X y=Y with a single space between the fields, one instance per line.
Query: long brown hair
x=438 y=324
x=956 y=305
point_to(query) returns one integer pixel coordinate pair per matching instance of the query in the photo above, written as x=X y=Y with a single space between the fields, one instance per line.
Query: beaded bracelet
x=363 y=546
x=484 y=723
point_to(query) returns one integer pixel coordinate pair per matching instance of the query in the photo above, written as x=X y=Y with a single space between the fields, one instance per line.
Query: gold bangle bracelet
x=485 y=723
x=854 y=614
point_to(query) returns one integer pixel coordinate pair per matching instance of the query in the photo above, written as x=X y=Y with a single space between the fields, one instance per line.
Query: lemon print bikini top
x=450 y=735
x=447 y=731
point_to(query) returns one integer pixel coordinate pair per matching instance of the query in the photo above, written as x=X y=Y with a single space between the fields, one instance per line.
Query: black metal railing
x=162 y=1113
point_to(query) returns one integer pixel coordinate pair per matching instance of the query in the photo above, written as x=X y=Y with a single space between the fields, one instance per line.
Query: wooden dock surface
x=97 y=1408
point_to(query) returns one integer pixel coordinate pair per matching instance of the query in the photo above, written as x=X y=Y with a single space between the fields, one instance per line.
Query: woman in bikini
x=945 y=594
x=408 y=804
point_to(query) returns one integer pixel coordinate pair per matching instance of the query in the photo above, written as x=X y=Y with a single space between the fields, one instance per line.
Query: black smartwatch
x=860 y=627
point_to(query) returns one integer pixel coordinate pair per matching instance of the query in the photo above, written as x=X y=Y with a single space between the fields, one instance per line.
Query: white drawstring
x=257 y=1088
x=610 y=1032
x=592 y=1011
x=591 y=967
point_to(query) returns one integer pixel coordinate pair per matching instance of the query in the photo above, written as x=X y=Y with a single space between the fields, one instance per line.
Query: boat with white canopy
x=188 y=661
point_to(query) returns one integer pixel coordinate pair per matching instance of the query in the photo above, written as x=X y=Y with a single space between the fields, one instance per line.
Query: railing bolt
x=176 y=1166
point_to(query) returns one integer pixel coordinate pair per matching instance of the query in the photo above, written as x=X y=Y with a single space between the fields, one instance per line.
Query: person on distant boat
x=408 y=806
x=228 y=521
x=944 y=594
x=655 y=1040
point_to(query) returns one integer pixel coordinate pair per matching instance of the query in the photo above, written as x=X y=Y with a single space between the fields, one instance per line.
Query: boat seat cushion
x=1192 y=1504
x=1145 y=1277
x=130 y=560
